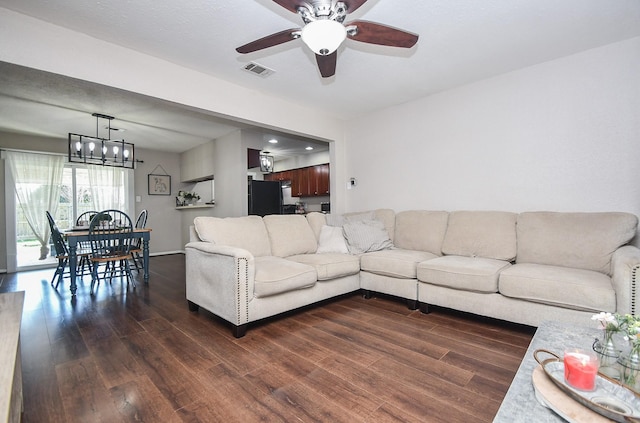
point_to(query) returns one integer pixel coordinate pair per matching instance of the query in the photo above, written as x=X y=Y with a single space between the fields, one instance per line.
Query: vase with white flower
x=606 y=348
x=630 y=361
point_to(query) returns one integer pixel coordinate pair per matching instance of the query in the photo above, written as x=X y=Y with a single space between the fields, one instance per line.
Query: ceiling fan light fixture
x=323 y=36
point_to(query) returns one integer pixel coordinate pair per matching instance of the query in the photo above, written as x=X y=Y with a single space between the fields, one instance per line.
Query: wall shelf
x=200 y=206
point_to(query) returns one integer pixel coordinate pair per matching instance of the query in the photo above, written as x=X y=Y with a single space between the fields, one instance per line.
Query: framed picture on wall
x=159 y=184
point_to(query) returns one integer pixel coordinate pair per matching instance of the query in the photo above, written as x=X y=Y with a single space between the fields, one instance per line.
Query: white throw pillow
x=366 y=235
x=331 y=240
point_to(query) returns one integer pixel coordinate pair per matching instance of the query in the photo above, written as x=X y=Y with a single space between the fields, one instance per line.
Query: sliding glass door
x=82 y=188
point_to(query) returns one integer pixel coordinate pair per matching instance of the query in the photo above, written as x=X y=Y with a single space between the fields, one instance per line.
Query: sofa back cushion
x=579 y=240
x=421 y=230
x=248 y=232
x=317 y=220
x=490 y=234
x=290 y=234
x=388 y=219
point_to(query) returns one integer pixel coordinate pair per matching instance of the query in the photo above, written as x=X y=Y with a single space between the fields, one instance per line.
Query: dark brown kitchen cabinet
x=278 y=176
x=300 y=182
x=306 y=181
x=253 y=158
x=321 y=179
x=310 y=181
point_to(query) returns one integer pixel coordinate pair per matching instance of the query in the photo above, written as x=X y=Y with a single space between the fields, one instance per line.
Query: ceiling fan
x=325 y=30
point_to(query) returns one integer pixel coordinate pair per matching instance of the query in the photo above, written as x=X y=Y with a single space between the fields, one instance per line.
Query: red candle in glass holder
x=580 y=369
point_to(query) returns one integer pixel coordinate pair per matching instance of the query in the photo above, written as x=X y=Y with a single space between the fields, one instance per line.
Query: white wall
x=3 y=219
x=562 y=135
x=163 y=218
x=230 y=179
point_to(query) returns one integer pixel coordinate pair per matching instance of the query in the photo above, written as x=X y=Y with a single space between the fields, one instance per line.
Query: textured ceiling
x=461 y=41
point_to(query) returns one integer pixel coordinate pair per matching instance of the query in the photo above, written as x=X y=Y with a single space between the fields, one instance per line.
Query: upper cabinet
x=305 y=182
x=253 y=158
x=321 y=179
x=300 y=182
x=197 y=164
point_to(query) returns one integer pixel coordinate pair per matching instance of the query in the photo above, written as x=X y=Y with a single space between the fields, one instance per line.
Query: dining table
x=78 y=235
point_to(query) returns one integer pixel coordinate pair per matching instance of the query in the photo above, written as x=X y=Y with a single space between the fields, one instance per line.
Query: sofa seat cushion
x=396 y=262
x=477 y=274
x=560 y=286
x=275 y=275
x=330 y=265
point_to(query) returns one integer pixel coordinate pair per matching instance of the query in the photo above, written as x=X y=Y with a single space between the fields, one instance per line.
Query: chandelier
x=99 y=151
x=266 y=163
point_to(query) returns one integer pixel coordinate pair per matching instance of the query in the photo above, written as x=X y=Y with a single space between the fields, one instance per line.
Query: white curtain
x=38 y=178
x=107 y=187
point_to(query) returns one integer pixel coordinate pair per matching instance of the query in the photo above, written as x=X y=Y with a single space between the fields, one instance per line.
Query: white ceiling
x=461 y=41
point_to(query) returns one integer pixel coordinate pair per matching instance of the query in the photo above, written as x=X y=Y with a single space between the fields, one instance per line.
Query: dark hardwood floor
x=140 y=355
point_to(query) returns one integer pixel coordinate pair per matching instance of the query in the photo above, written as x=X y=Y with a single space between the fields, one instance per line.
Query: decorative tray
x=609 y=398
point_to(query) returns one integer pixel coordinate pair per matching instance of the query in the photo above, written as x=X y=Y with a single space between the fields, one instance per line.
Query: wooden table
x=520 y=404
x=75 y=237
x=10 y=365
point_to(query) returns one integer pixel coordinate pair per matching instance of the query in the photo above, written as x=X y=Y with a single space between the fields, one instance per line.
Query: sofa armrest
x=625 y=276
x=220 y=279
x=193 y=235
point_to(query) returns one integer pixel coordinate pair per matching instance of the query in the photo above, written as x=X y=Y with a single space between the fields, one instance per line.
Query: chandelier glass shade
x=89 y=149
x=324 y=36
x=266 y=163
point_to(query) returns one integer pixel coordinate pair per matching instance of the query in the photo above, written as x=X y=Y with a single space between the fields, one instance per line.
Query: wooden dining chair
x=84 y=264
x=110 y=236
x=136 y=249
x=84 y=218
x=62 y=253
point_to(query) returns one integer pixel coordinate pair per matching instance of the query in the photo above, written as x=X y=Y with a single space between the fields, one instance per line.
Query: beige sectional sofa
x=523 y=268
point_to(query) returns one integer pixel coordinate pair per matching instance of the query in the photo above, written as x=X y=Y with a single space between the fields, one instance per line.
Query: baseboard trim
x=166 y=253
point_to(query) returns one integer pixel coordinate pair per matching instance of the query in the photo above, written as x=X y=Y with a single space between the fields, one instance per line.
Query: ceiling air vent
x=258 y=69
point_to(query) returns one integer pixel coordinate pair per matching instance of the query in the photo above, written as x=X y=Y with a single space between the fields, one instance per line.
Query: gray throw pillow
x=366 y=235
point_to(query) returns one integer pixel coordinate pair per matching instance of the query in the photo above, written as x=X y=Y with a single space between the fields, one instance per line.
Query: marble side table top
x=520 y=403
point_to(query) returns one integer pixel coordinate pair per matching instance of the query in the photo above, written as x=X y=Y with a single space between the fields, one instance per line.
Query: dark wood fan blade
x=375 y=33
x=327 y=64
x=269 y=41
x=352 y=5
x=291 y=5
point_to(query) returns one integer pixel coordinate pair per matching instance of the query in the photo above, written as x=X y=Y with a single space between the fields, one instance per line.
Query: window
x=77 y=195
x=81 y=188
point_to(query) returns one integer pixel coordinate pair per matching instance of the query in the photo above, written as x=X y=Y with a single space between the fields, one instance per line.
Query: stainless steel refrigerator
x=265 y=197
